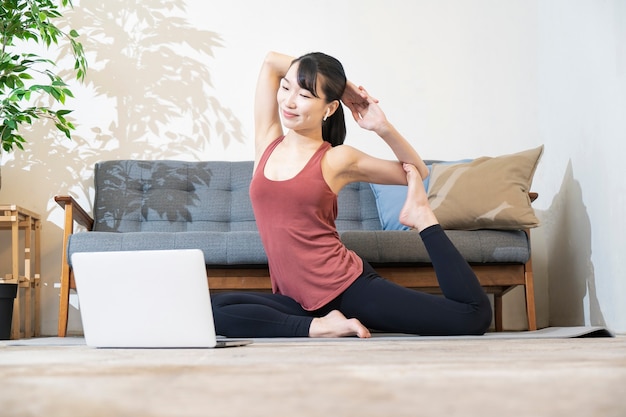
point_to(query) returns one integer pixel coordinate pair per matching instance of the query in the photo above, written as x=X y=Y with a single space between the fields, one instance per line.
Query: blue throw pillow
x=389 y=201
x=391 y=198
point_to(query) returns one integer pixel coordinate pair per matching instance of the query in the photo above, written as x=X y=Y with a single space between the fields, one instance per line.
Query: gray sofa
x=173 y=204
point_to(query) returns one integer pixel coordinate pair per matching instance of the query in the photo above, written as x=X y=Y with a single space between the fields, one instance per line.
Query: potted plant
x=30 y=85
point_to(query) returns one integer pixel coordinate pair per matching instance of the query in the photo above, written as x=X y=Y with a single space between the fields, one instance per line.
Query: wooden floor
x=544 y=377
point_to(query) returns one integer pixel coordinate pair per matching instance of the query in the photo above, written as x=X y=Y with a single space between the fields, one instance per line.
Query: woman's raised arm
x=267 y=123
x=368 y=115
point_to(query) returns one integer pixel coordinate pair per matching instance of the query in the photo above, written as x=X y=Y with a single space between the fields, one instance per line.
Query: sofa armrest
x=74 y=212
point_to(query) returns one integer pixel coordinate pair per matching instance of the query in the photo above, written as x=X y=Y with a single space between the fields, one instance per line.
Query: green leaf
x=64 y=130
x=61 y=113
x=17 y=95
x=57 y=95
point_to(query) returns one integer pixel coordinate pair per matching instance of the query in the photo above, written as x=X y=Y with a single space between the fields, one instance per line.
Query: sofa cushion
x=487 y=193
x=180 y=196
x=375 y=246
x=480 y=246
x=220 y=248
x=356 y=208
x=172 y=196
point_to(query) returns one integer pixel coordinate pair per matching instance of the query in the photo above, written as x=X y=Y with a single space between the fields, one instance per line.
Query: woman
x=320 y=288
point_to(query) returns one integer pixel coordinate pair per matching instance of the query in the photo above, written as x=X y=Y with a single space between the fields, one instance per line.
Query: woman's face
x=299 y=108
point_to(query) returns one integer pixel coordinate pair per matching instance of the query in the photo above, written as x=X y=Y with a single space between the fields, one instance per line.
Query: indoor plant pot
x=8 y=292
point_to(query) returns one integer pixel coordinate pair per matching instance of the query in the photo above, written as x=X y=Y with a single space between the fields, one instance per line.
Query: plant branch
x=32 y=21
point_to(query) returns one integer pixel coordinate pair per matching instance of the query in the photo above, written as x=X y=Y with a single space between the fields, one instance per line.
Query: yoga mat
x=547 y=333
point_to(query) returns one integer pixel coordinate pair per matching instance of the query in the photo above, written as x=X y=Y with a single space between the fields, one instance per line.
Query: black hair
x=329 y=71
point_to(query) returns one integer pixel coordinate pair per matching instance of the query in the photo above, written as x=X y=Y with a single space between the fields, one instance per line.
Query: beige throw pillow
x=487 y=193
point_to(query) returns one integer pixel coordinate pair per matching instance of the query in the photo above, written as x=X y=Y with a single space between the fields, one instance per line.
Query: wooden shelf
x=22 y=221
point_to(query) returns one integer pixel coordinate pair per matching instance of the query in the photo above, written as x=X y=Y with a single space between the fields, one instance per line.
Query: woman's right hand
x=365 y=109
x=356 y=98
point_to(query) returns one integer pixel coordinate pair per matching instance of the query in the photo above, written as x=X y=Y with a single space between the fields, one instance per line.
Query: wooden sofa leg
x=497 y=311
x=64 y=296
x=530 y=296
x=64 y=301
x=529 y=285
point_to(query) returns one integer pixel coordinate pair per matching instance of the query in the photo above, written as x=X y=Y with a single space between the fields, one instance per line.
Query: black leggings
x=377 y=303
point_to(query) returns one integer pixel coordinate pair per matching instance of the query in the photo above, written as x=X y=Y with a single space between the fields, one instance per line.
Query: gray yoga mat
x=547 y=333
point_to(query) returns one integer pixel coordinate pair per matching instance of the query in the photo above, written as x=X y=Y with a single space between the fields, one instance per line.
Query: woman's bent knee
x=482 y=320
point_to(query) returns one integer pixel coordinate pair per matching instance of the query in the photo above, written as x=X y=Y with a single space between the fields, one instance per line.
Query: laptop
x=146 y=299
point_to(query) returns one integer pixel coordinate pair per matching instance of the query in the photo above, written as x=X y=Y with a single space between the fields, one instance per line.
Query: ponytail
x=334 y=128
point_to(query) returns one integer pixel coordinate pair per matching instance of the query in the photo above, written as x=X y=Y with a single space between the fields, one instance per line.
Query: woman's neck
x=303 y=139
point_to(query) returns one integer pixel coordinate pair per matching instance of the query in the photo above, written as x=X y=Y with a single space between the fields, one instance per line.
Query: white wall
x=459 y=78
x=582 y=108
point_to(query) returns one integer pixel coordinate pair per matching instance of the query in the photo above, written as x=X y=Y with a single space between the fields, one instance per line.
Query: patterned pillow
x=487 y=193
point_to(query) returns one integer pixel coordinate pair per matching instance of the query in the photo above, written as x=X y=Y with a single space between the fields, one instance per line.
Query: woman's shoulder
x=262 y=146
x=342 y=159
x=344 y=152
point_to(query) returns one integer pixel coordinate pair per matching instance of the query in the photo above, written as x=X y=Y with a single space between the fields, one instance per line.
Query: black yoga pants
x=377 y=303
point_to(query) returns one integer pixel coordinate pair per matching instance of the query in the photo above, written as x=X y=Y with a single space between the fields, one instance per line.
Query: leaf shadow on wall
x=155 y=67
x=149 y=72
x=150 y=95
x=570 y=268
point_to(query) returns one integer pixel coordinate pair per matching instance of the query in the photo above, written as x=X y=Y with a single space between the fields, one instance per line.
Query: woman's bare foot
x=335 y=324
x=416 y=212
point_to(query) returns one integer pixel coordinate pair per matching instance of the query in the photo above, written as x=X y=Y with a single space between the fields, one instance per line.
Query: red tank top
x=296 y=221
